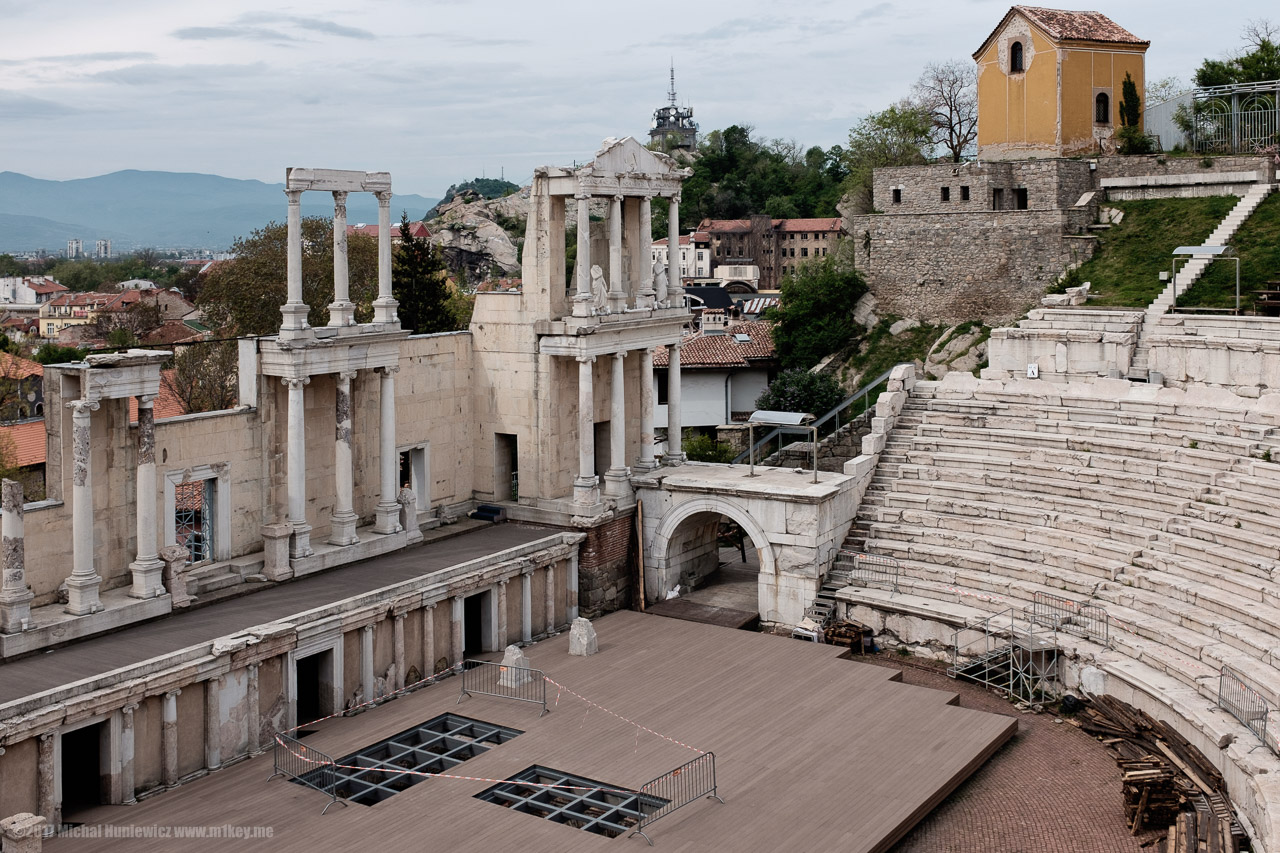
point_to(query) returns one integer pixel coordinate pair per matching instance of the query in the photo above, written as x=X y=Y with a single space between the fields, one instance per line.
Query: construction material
x=859 y=638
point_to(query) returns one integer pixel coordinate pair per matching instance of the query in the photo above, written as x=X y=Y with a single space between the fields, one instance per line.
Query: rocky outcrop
x=469 y=230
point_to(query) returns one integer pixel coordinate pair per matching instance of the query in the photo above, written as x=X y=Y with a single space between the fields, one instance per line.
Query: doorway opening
x=83 y=783
x=314 y=679
x=476 y=623
x=506 y=467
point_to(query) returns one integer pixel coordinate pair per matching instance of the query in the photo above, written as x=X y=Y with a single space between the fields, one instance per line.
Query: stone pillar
x=617 y=480
x=586 y=489
x=387 y=513
x=297 y=463
x=46 y=775
x=15 y=598
x=582 y=304
x=429 y=640
x=366 y=662
x=169 y=739
x=455 y=632
x=526 y=605
x=675 y=426
x=675 y=284
x=213 y=722
x=573 y=587
x=147 y=569
x=275 y=551
x=253 y=708
x=384 y=307
x=294 y=310
x=175 y=559
x=645 y=298
x=128 y=785
x=397 y=650
x=617 y=296
x=82 y=586
x=341 y=311
x=502 y=612
x=551 y=598
x=342 y=524
x=23 y=833
x=646 y=461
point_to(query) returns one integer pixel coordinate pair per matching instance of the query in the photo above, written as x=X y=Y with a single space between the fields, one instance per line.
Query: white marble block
x=515 y=668
x=582 y=638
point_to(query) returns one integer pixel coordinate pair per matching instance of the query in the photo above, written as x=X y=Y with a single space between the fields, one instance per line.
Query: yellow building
x=1049 y=83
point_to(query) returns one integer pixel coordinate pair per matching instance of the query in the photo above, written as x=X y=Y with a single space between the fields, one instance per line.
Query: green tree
x=418 y=281
x=54 y=354
x=243 y=296
x=815 y=314
x=898 y=136
x=204 y=376
x=1258 y=62
x=1133 y=139
x=9 y=265
x=799 y=390
x=704 y=448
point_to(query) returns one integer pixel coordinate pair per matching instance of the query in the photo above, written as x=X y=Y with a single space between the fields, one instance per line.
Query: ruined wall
x=1162 y=164
x=1051 y=184
x=435 y=405
x=604 y=567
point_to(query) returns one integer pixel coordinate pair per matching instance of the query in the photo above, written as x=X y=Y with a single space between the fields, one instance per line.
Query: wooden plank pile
x=1166 y=780
x=857 y=637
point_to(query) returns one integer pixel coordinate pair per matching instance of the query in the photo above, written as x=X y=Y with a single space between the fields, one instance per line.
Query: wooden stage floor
x=813 y=753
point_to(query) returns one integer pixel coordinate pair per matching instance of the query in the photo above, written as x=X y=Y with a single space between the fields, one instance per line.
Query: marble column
x=341 y=311
x=645 y=298
x=503 y=637
x=294 y=310
x=675 y=284
x=253 y=709
x=82 y=586
x=128 y=744
x=213 y=722
x=675 y=426
x=455 y=631
x=617 y=296
x=15 y=598
x=582 y=303
x=387 y=513
x=646 y=461
x=342 y=523
x=526 y=605
x=429 y=640
x=46 y=777
x=169 y=739
x=617 y=480
x=586 y=488
x=573 y=587
x=367 y=675
x=551 y=598
x=384 y=307
x=397 y=650
x=147 y=568
x=297 y=463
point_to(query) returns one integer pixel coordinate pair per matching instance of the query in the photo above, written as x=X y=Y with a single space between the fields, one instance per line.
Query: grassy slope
x=880 y=350
x=1258 y=245
x=1126 y=269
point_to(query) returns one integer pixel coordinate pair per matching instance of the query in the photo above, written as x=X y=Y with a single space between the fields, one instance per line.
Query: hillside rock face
x=467 y=231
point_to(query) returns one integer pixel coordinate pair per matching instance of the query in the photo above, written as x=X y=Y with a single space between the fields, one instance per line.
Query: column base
x=645 y=465
x=275 y=551
x=300 y=545
x=674 y=459
x=82 y=595
x=384 y=310
x=583 y=306
x=386 y=518
x=617 y=482
x=342 y=528
x=15 y=613
x=617 y=303
x=586 y=491
x=294 y=324
x=342 y=314
x=148 y=578
x=645 y=299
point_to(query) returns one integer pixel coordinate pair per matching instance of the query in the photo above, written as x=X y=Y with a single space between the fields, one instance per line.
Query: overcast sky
x=439 y=91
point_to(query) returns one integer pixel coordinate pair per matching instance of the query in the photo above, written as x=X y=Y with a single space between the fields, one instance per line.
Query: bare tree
x=204 y=376
x=1259 y=30
x=1164 y=89
x=948 y=93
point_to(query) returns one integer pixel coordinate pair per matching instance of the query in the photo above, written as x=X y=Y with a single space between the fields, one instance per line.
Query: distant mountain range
x=136 y=209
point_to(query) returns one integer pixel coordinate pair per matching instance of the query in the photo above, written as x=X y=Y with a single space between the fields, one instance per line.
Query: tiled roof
x=46 y=285
x=1067 y=25
x=172 y=332
x=417 y=229
x=757 y=304
x=28 y=442
x=700 y=350
x=167 y=404
x=743 y=226
x=17 y=367
x=82 y=300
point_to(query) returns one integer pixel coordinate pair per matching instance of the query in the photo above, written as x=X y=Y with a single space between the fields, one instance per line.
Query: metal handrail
x=1267 y=86
x=299 y=763
x=486 y=678
x=833 y=413
x=676 y=789
x=1241 y=700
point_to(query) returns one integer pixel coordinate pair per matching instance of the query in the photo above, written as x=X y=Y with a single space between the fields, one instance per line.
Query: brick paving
x=1051 y=789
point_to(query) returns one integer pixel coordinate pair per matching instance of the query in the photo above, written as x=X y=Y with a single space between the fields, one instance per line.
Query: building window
x=1102 y=109
x=1015 y=58
x=897 y=196
x=661 y=376
x=415 y=472
x=198 y=511
x=804 y=253
x=793 y=251
x=946 y=193
x=997 y=199
x=964 y=193
x=804 y=236
x=1020 y=198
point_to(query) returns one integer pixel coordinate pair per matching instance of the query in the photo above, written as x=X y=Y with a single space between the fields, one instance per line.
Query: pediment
x=626 y=155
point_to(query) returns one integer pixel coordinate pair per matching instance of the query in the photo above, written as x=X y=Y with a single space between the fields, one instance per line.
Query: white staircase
x=1190 y=274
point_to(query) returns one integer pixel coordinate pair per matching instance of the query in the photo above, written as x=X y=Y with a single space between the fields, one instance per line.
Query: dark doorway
x=82 y=781
x=1020 y=198
x=310 y=703
x=506 y=467
x=473 y=619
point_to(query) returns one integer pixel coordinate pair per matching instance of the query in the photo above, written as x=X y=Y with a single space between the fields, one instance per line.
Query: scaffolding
x=1010 y=651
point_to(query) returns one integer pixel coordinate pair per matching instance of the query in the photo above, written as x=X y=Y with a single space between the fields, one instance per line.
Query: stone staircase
x=1190 y=274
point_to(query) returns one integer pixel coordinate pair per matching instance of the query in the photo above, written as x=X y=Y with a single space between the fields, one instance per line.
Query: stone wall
x=1051 y=184
x=1160 y=164
x=605 y=574
x=833 y=450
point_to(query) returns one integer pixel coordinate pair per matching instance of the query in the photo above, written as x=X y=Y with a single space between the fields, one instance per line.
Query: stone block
x=582 y=638
x=275 y=551
x=515 y=668
x=873 y=443
x=22 y=833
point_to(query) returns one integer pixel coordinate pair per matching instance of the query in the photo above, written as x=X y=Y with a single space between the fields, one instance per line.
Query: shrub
x=801 y=391
x=704 y=448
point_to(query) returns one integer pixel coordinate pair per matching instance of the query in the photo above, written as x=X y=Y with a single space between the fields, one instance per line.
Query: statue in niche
x=659 y=282
x=599 y=290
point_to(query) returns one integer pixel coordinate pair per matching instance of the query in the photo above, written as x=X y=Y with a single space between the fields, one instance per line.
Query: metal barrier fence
x=300 y=763
x=484 y=678
x=1247 y=705
x=674 y=790
x=869 y=569
x=1090 y=621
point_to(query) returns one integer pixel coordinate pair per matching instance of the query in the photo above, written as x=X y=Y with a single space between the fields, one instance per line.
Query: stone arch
x=661 y=580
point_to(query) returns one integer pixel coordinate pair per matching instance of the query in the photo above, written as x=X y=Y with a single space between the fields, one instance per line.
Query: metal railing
x=864 y=394
x=690 y=781
x=485 y=678
x=299 y=763
x=1090 y=621
x=1235 y=117
x=1240 y=700
x=871 y=569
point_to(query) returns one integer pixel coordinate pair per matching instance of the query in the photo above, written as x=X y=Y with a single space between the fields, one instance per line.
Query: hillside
x=158 y=209
x=1258 y=245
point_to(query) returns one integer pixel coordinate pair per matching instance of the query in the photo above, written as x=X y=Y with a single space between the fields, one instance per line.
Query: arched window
x=1102 y=109
x=1015 y=58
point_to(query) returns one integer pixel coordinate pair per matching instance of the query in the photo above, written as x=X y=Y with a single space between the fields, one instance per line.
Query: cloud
x=153 y=73
x=249 y=27
x=26 y=108
x=83 y=58
x=316 y=25
x=231 y=32
x=877 y=11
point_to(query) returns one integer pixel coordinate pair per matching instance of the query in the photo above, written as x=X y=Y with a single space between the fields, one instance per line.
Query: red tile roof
x=16 y=367
x=167 y=404
x=28 y=439
x=700 y=350
x=1067 y=25
x=416 y=229
x=45 y=285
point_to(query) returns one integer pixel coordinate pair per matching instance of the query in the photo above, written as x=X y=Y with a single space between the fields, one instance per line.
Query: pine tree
x=418 y=282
